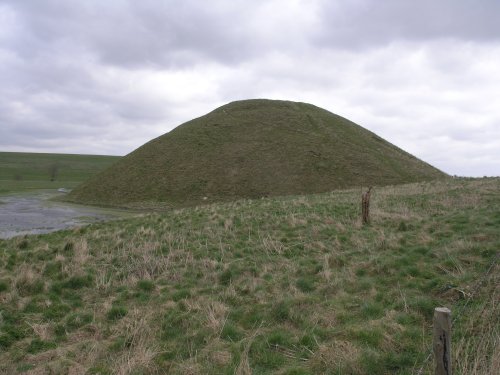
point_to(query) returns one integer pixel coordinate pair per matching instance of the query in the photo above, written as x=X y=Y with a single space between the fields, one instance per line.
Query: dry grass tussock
x=478 y=351
x=75 y=358
x=341 y=356
x=27 y=279
x=244 y=364
x=141 y=348
x=82 y=252
x=139 y=260
x=190 y=367
x=216 y=315
x=42 y=330
x=272 y=246
x=326 y=272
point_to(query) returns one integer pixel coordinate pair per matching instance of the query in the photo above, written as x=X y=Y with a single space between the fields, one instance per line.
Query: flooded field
x=35 y=213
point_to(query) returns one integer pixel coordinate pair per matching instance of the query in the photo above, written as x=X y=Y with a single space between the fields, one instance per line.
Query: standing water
x=34 y=213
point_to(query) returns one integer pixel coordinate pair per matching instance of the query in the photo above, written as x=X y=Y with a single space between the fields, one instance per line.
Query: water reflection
x=35 y=213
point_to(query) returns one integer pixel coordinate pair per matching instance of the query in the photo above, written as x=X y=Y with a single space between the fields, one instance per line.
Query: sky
x=104 y=77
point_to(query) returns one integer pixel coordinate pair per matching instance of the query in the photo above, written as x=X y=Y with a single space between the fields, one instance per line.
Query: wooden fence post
x=365 y=206
x=442 y=340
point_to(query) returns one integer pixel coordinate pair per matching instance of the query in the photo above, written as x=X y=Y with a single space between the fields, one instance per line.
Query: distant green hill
x=21 y=171
x=251 y=149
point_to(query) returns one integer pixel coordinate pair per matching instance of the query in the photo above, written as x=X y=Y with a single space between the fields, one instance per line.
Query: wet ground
x=35 y=213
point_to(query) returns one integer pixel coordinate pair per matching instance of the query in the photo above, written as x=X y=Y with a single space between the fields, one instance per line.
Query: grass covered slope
x=291 y=285
x=23 y=171
x=250 y=149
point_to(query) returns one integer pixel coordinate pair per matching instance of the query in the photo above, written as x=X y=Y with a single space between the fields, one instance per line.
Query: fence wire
x=460 y=310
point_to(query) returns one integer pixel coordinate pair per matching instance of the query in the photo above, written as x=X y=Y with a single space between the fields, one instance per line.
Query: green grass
x=21 y=171
x=286 y=285
x=252 y=149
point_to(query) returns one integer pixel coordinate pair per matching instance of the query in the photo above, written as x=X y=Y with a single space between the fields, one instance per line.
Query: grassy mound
x=291 y=285
x=24 y=171
x=252 y=149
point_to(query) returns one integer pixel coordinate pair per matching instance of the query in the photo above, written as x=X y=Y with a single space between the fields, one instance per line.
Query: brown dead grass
x=141 y=348
x=478 y=352
x=340 y=355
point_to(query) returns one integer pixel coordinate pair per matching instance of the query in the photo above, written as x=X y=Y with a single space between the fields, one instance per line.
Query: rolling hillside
x=253 y=149
x=24 y=171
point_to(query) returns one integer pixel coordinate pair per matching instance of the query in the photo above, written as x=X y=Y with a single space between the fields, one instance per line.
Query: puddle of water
x=34 y=213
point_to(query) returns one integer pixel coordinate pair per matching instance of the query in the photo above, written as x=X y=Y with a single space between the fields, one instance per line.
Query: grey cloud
x=106 y=76
x=369 y=23
x=132 y=33
x=174 y=34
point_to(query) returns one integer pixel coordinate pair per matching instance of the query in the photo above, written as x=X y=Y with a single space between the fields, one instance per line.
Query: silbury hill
x=251 y=149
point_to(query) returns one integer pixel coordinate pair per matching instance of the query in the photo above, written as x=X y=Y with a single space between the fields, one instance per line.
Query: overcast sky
x=104 y=77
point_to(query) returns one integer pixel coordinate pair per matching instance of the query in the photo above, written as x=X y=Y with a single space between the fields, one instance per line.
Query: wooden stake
x=442 y=340
x=365 y=206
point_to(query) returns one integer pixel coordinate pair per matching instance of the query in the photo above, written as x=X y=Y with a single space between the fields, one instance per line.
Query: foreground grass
x=25 y=171
x=274 y=286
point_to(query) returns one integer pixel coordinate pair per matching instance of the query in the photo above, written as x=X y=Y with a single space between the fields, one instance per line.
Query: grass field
x=21 y=171
x=291 y=285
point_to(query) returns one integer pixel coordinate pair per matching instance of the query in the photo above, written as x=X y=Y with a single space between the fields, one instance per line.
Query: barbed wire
x=460 y=310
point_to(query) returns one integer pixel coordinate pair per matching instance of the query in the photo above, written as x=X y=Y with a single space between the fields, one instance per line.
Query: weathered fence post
x=442 y=340
x=365 y=206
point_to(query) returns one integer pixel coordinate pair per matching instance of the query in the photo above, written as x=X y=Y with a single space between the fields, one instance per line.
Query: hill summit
x=251 y=149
